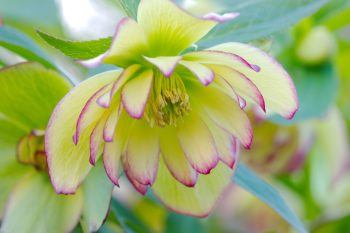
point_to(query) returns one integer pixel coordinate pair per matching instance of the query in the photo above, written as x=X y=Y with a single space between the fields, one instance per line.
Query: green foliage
x=129 y=7
x=127 y=219
x=29 y=13
x=22 y=45
x=82 y=50
x=249 y=181
x=260 y=18
x=253 y=23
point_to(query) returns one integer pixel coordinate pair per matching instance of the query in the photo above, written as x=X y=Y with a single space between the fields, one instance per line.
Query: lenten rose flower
x=28 y=202
x=170 y=119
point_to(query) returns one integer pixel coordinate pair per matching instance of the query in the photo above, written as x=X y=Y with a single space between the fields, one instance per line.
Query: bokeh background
x=306 y=159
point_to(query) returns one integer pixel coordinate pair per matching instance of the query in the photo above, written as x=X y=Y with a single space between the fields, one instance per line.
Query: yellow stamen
x=169 y=101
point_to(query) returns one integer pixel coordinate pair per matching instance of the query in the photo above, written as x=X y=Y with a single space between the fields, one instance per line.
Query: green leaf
x=97 y=196
x=82 y=50
x=181 y=223
x=22 y=45
x=129 y=6
x=29 y=92
x=249 y=181
x=259 y=18
x=127 y=220
x=25 y=14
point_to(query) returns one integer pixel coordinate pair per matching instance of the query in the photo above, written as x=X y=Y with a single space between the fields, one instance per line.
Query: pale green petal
x=224 y=111
x=175 y=159
x=35 y=207
x=129 y=43
x=196 y=201
x=168 y=28
x=69 y=163
x=136 y=92
x=97 y=190
x=197 y=143
x=140 y=159
x=272 y=80
x=166 y=65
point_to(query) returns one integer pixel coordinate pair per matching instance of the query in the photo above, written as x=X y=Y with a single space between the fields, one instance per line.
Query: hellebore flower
x=28 y=202
x=278 y=149
x=168 y=116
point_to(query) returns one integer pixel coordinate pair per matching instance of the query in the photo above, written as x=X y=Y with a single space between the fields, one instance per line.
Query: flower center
x=30 y=151
x=168 y=102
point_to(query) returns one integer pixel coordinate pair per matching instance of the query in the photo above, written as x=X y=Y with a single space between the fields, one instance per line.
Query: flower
x=278 y=149
x=29 y=93
x=169 y=116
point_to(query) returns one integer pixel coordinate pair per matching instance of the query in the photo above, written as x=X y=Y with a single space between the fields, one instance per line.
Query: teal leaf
x=127 y=220
x=22 y=45
x=97 y=197
x=25 y=14
x=182 y=223
x=249 y=181
x=130 y=7
x=81 y=50
x=29 y=92
x=259 y=18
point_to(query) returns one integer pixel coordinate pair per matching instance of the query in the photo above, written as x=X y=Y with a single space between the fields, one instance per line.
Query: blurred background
x=306 y=159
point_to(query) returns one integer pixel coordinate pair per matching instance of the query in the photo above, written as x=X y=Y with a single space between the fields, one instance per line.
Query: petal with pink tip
x=242 y=85
x=140 y=159
x=197 y=143
x=89 y=114
x=273 y=81
x=69 y=163
x=170 y=29
x=224 y=111
x=136 y=92
x=129 y=43
x=175 y=159
x=226 y=144
x=96 y=141
x=204 y=74
x=195 y=201
x=106 y=99
x=111 y=122
x=141 y=188
x=166 y=65
x=220 y=58
x=221 y=18
x=113 y=150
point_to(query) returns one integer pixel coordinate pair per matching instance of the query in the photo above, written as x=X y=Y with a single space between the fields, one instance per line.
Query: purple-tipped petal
x=135 y=94
x=221 y=18
x=166 y=65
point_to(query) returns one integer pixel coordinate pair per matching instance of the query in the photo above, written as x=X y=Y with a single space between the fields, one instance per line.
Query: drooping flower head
x=170 y=117
x=28 y=203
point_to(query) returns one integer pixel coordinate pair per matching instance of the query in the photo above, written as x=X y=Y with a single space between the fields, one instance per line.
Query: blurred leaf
x=29 y=92
x=316 y=87
x=82 y=50
x=333 y=225
x=260 y=18
x=127 y=219
x=97 y=195
x=22 y=45
x=129 y=6
x=182 y=223
x=29 y=13
x=339 y=20
x=249 y=181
